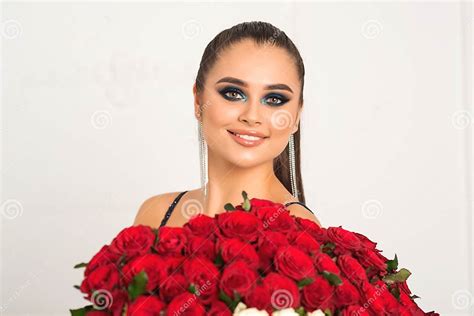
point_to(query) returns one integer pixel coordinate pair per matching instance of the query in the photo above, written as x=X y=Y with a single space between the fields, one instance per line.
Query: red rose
x=103 y=257
x=204 y=275
x=119 y=299
x=133 y=241
x=381 y=257
x=255 y=203
x=201 y=225
x=409 y=306
x=171 y=240
x=172 y=264
x=391 y=304
x=260 y=298
x=185 y=304
x=346 y=294
x=345 y=240
x=152 y=264
x=200 y=247
x=304 y=242
x=219 y=308
x=238 y=277
x=97 y=313
x=366 y=242
x=369 y=259
x=371 y=296
x=403 y=286
x=146 y=306
x=294 y=263
x=354 y=310
x=285 y=292
x=267 y=245
x=319 y=233
x=317 y=295
x=352 y=270
x=276 y=218
x=239 y=224
x=233 y=249
x=324 y=262
x=104 y=278
x=172 y=286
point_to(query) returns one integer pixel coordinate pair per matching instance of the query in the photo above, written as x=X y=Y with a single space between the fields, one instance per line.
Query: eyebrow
x=276 y=86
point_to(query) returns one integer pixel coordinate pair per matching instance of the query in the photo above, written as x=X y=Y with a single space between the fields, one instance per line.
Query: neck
x=227 y=181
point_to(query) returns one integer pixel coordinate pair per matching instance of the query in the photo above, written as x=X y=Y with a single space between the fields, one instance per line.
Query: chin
x=246 y=160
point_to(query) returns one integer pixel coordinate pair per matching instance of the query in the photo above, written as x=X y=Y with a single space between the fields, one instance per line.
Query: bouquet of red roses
x=253 y=259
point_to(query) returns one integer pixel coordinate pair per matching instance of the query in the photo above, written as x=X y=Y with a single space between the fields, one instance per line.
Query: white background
x=97 y=116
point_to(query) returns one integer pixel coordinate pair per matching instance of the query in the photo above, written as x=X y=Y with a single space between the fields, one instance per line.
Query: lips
x=247 y=132
x=245 y=139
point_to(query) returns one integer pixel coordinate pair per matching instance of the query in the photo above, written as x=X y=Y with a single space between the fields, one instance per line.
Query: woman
x=250 y=82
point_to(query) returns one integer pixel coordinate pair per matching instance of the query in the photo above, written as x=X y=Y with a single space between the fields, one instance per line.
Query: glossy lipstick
x=259 y=138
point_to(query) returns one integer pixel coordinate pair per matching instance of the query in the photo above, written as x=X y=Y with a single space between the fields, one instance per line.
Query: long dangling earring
x=202 y=158
x=292 y=162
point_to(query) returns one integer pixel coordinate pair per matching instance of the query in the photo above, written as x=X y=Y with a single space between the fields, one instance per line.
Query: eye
x=232 y=94
x=275 y=99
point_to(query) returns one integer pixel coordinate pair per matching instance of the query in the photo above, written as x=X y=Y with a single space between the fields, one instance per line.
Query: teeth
x=248 y=137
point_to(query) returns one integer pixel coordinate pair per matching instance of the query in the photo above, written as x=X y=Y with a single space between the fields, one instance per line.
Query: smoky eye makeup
x=233 y=94
x=276 y=99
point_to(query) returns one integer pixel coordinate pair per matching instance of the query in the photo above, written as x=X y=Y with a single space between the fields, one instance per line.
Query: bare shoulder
x=153 y=209
x=301 y=211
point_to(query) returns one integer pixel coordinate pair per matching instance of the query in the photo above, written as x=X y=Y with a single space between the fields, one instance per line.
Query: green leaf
x=395 y=292
x=219 y=261
x=327 y=312
x=327 y=248
x=124 y=310
x=246 y=205
x=332 y=278
x=235 y=301
x=225 y=298
x=229 y=207
x=392 y=265
x=329 y=245
x=138 y=285
x=237 y=296
x=300 y=311
x=414 y=296
x=81 y=311
x=400 y=276
x=304 y=282
x=192 y=288
x=231 y=303
x=80 y=265
x=77 y=287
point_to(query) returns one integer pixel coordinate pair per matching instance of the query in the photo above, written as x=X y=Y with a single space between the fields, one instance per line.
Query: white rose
x=317 y=312
x=285 y=312
x=242 y=310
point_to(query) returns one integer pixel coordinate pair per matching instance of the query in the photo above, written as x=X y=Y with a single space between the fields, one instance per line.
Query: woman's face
x=250 y=89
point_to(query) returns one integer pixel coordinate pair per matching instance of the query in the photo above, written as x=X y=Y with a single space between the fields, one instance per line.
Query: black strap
x=171 y=208
x=298 y=202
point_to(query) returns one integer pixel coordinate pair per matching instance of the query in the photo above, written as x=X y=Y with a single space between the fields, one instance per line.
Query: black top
x=176 y=200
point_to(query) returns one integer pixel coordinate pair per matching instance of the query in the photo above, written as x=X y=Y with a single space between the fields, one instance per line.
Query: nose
x=251 y=113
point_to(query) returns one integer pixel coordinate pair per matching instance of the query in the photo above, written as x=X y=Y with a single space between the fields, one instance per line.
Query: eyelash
x=226 y=90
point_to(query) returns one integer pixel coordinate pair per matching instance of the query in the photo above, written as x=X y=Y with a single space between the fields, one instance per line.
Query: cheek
x=278 y=141
x=217 y=119
x=281 y=121
x=280 y=124
x=222 y=115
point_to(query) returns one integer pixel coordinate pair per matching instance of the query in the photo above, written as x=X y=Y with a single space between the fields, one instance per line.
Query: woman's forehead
x=255 y=64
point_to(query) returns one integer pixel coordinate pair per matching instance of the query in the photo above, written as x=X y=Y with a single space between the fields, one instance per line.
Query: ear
x=197 y=108
x=297 y=120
